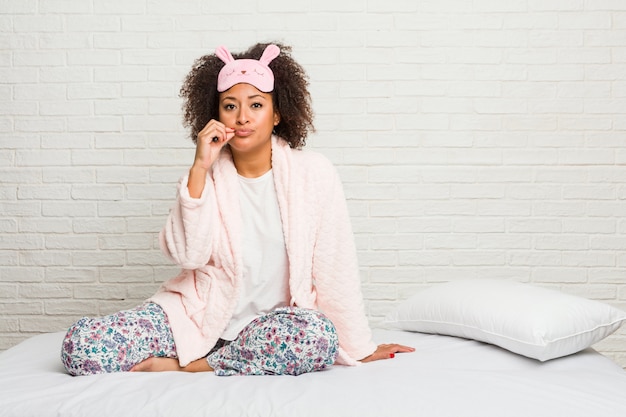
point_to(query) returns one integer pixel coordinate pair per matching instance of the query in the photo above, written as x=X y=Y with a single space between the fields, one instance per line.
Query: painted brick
x=503 y=241
x=95 y=124
x=593 y=260
x=485 y=225
x=119 y=141
x=97 y=157
x=71 y=242
x=392 y=275
x=45 y=291
x=147 y=259
x=66 y=140
x=103 y=292
x=596 y=226
x=504 y=208
x=71 y=307
x=42 y=158
x=8 y=290
x=424 y=258
x=99 y=225
x=125 y=242
x=9 y=325
x=45 y=259
x=38 y=58
x=127 y=275
x=97 y=192
x=123 y=209
x=559 y=209
x=92 y=23
x=142 y=291
x=93 y=91
x=46 y=323
x=40 y=124
x=65 y=209
x=8 y=225
x=450 y=241
x=118 y=7
x=71 y=275
x=445 y=6
x=44 y=192
x=21 y=307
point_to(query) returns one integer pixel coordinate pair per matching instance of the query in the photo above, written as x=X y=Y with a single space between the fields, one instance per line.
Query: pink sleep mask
x=250 y=71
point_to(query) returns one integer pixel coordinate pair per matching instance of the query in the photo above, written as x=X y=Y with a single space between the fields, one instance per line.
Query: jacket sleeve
x=336 y=273
x=188 y=236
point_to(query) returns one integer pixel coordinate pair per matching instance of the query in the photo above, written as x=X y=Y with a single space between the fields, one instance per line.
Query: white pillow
x=532 y=321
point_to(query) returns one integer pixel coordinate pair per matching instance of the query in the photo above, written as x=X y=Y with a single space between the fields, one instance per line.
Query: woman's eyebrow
x=249 y=97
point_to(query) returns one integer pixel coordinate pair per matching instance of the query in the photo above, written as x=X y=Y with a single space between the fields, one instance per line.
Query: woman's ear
x=276 y=118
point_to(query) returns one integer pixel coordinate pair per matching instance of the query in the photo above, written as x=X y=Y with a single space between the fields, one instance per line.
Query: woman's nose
x=242 y=117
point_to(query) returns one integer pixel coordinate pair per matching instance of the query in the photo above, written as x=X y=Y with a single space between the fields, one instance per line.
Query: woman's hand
x=387 y=351
x=207 y=148
x=155 y=364
x=209 y=143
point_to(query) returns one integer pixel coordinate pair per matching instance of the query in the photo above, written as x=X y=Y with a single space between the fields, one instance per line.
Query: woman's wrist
x=196 y=181
x=199 y=169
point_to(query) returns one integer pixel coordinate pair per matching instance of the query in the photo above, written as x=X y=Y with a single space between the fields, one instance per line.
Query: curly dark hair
x=291 y=96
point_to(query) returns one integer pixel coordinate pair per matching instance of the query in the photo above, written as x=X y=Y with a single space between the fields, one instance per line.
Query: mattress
x=445 y=376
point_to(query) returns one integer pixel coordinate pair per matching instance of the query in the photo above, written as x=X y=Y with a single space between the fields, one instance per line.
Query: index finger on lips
x=220 y=134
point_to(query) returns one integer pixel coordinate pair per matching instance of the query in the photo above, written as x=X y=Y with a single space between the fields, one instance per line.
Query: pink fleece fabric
x=203 y=236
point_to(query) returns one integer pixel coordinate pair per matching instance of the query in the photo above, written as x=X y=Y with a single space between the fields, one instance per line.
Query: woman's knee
x=287 y=341
x=73 y=352
x=116 y=342
x=317 y=343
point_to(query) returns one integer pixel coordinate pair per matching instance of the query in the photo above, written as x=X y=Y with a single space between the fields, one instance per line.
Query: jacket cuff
x=185 y=199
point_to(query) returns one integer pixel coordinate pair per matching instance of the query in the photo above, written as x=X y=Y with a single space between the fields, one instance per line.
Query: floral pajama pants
x=286 y=341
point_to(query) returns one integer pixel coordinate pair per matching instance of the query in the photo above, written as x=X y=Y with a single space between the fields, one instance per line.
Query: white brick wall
x=474 y=138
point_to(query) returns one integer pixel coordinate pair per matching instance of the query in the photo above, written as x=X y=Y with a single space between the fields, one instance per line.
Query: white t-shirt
x=265 y=285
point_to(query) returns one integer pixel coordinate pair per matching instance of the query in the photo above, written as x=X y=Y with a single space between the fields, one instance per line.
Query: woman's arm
x=186 y=236
x=210 y=141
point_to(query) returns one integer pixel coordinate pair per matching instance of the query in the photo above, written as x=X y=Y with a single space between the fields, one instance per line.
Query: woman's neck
x=253 y=165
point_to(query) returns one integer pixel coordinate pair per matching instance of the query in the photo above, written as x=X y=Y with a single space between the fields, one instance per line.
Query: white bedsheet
x=445 y=377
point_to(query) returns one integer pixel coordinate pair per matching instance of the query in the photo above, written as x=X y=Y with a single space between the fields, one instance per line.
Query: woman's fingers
x=387 y=351
x=403 y=349
x=210 y=141
x=215 y=132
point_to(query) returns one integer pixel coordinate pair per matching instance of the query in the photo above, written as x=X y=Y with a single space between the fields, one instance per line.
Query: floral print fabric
x=286 y=341
x=117 y=342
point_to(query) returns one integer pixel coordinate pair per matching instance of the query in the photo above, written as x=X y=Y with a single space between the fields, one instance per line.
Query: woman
x=270 y=281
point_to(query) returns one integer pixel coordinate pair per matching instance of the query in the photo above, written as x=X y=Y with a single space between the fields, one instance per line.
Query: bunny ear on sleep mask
x=250 y=71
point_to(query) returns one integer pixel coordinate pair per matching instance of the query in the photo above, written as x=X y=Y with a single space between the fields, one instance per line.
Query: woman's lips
x=242 y=133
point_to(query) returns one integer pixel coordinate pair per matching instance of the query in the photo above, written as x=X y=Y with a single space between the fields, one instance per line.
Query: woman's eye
x=257 y=105
x=229 y=106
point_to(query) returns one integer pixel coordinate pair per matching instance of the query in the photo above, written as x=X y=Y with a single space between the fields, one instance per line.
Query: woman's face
x=251 y=114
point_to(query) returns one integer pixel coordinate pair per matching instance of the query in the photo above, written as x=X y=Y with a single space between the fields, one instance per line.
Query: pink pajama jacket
x=204 y=237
